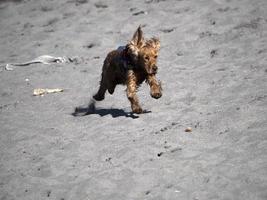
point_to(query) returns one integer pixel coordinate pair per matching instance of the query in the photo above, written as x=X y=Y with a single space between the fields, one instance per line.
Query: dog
x=131 y=65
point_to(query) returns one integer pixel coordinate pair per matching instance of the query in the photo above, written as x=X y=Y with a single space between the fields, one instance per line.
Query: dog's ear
x=136 y=43
x=138 y=37
x=155 y=43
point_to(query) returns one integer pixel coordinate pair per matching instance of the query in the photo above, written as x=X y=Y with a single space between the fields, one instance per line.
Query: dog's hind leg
x=111 y=87
x=100 y=95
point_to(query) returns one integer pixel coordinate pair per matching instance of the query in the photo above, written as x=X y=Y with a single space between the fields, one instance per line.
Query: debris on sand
x=160 y=154
x=44 y=59
x=140 y=12
x=188 y=129
x=41 y=91
x=100 y=5
x=213 y=53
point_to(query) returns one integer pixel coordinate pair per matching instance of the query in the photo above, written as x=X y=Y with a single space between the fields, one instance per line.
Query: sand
x=213 y=67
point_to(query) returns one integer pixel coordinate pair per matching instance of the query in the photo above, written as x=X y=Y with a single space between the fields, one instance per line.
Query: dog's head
x=143 y=52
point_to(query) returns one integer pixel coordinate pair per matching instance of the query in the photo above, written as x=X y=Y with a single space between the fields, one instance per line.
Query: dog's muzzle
x=154 y=70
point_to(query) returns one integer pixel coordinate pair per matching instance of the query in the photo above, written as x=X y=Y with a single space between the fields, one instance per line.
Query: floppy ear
x=138 y=37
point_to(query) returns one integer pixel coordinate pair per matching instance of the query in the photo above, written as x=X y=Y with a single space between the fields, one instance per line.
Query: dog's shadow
x=114 y=112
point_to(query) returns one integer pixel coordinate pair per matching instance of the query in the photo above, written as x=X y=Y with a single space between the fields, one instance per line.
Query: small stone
x=108 y=159
x=213 y=53
x=160 y=154
x=188 y=129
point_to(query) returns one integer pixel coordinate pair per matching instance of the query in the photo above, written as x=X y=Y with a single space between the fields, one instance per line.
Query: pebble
x=188 y=129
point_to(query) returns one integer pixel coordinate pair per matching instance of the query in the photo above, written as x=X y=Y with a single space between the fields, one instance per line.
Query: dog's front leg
x=155 y=86
x=131 y=92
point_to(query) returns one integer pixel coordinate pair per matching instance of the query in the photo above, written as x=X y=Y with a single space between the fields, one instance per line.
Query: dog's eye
x=155 y=56
x=146 y=57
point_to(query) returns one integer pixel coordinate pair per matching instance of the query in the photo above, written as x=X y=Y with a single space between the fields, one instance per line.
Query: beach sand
x=213 y=67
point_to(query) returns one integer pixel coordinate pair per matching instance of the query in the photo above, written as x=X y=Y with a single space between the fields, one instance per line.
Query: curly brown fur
x=131 y=66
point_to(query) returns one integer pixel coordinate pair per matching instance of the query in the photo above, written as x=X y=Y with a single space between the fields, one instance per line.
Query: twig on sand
x=40 y=91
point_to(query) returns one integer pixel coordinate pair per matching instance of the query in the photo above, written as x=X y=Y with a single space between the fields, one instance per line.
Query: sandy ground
x=213 y=65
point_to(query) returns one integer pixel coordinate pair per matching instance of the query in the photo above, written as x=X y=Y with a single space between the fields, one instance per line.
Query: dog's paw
x=156 y=91
x=98 y=97
x=137 y=110
x=156 y=95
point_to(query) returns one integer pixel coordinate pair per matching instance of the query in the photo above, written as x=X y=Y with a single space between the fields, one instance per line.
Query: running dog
x=131 y=66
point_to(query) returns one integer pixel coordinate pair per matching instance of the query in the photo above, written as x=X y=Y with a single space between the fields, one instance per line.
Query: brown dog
x=131 y=65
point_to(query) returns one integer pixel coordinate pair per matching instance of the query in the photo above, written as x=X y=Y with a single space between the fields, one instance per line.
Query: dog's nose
x=155 y=68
